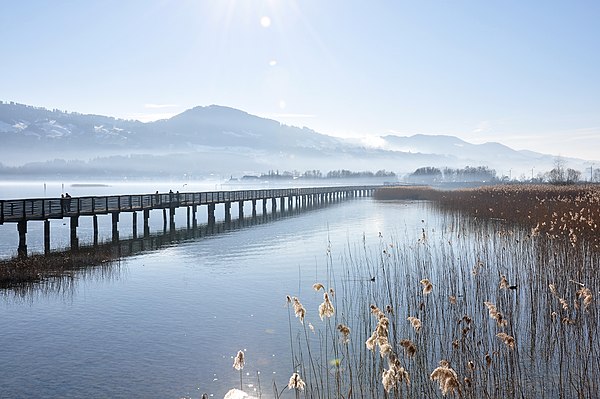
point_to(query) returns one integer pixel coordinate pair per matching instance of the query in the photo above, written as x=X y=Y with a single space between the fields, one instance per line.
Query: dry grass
x=570 y=212
x=20 y=272
x=513 y=312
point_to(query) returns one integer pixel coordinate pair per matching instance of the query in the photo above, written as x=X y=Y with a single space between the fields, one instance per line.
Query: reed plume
x=564 y=303
x=507 y=339
x=377 y=312
x=296 y=382
x=446 y=377
x=409 y=347
x=395 y=374
x=326 y=308
x=503 y=282
x=318 y=286
x=299 y=310
x=345 y=331
x=371 y=341
x=495 y=314
x=471 y=366
x=488 y=360
x=585 y=294
x=416 y=323
x=238 y=364
x=427 y=286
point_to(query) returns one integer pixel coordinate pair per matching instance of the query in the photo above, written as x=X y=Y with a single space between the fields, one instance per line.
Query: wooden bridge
x=20 y=211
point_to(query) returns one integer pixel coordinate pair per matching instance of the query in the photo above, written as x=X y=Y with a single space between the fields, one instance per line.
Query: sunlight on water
x=169 y=322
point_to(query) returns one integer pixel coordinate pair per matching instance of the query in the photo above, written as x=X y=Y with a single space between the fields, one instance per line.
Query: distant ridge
x=219 y=139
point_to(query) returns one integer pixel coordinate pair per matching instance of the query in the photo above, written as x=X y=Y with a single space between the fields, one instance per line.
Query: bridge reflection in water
x=21 y=211
x=58 y=268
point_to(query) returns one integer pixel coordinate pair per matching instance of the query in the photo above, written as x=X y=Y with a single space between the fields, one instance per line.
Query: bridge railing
x=58 y=208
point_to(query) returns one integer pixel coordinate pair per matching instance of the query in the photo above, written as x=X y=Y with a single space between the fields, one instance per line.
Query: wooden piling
x=240 y=210
x=74 y=240
x=228 y=212
x=22 y=229
x=95 y=223
x=211 y=214
x=46 y=236
x=115 y=226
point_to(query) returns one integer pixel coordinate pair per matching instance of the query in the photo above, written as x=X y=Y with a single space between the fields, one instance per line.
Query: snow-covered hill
x=217 y=139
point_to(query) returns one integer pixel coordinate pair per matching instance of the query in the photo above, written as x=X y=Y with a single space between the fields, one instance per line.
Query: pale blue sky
x=524 y=73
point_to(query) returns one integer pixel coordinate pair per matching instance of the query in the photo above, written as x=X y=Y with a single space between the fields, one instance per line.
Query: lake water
x=167 y=320
x=167 y=323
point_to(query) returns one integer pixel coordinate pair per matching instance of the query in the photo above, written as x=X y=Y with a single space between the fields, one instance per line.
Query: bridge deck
x=22 y=210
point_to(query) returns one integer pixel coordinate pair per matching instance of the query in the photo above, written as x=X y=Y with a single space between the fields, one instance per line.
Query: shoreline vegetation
x=20 y=274
x=555 y=211
x=499 y=303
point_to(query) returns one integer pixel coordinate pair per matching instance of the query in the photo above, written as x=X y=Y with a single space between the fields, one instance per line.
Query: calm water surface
x=167 y=323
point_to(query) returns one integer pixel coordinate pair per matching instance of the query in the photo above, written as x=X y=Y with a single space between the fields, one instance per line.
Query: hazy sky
x=524 y=73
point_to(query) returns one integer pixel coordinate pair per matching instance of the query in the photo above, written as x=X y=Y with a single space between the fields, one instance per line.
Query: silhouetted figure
x=68 y=202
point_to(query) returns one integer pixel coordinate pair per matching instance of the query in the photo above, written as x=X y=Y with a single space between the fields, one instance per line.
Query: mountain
x=222 y=140
x=471 y=154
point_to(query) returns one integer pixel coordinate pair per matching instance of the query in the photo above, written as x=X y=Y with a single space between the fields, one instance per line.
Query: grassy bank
x=23 y=272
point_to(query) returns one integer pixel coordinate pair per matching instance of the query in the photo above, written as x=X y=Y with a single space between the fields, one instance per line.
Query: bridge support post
x=211 y=214
x=74 y=240
x=95 y=228
x=264 y=204
x=115 y=226
x=172 y=219
x=228 y=212
x=253 y=208
x=164 y=219
x=134 y=216
x=194 y=221
x=146 y=224
x=46 y=236
x=189 y=221
x=282 y=203
x=241 y=210
x=273 y=205
x=22 y=229
x=290 y=202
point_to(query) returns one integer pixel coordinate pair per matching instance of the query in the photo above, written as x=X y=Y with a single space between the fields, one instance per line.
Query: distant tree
x=312 y=174
x=573 y=176
x=596 y=176
x=557 y=175
x=427 y=171
x=427 y=174
x=383 y=173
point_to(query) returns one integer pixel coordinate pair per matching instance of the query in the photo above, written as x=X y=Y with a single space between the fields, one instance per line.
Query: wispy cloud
x=482 y=127
x=159 y=106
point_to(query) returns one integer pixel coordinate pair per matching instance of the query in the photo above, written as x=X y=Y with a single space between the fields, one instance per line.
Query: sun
x=265 y=21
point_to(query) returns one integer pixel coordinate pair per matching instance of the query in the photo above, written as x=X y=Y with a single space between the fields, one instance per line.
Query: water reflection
x=58 y=271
